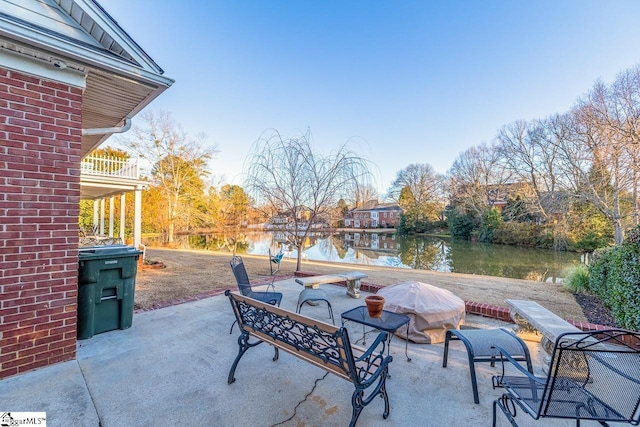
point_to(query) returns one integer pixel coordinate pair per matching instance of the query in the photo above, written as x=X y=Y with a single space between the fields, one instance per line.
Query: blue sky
x=401 y=81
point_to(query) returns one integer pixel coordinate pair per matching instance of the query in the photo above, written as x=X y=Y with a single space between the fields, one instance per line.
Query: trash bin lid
x=107 y=251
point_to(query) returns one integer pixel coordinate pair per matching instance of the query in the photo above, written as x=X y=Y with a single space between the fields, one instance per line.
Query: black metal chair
x=592 y=376
x=244 y=285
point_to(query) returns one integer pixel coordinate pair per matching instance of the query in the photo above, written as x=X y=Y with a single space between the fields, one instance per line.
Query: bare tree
x=478 y=178
x=178 y=163
x=418 y=190
x=304 y=186
x=531 y=151
x=590 y=155
x=626 y=94
x=359 y=194
x=524 y=150
x=599 y=157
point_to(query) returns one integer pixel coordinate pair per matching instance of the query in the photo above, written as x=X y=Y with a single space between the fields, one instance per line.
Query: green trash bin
x=106 y=287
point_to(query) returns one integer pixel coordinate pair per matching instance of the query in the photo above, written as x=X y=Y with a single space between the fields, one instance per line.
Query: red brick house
x=69 y=77
x=386 y=216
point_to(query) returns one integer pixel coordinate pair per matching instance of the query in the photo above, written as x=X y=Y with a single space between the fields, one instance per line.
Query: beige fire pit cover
x=431 y=310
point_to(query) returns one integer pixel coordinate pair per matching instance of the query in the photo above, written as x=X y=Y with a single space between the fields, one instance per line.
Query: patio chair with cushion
x=480 y=345
x=244 y=285
x=592 y=376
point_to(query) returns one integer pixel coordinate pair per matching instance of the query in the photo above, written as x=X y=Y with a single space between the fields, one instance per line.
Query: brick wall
x=40 y=131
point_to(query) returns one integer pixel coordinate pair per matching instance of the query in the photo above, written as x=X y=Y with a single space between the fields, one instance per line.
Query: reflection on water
x=417 y=252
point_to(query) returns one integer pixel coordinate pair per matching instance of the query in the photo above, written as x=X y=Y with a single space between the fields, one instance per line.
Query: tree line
x=177 y=198
x=566 y=181
x=284 y=177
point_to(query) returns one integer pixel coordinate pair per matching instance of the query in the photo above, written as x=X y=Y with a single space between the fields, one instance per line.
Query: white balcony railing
x=110 y=166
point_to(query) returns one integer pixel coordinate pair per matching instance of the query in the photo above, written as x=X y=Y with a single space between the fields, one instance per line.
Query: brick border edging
x=498 y=312
x=183 y=300
x=200 y=296
x=479 y=309
x=486 y=310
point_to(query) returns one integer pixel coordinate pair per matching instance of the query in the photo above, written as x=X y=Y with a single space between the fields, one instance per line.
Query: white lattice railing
x=110 y=166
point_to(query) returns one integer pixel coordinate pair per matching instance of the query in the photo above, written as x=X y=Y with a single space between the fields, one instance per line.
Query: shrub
x=599 y=271
x=614 y=276
x=589 y=241
x=461 y=225
x=588 y=228
x=576 y=279
x=523 y=234
x=491 y=220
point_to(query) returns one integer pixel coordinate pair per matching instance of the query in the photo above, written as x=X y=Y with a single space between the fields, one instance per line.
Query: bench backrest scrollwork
x=321 y=344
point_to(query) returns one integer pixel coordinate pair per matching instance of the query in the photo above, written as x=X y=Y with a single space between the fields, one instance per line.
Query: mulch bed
x=595 y=311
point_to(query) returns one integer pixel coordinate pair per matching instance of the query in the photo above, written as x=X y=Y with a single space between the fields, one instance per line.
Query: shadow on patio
x=171 y=367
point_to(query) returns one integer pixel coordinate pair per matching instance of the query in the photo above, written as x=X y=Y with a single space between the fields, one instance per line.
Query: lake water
x=418 y=252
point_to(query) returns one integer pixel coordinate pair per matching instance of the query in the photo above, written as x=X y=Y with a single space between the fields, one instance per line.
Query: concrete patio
x=171 y=367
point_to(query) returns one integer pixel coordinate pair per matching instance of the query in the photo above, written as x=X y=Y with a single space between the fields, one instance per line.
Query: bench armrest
x=372 y=363
x=382 y=338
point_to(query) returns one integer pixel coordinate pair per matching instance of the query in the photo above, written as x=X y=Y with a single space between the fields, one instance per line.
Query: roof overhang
x=78 y=36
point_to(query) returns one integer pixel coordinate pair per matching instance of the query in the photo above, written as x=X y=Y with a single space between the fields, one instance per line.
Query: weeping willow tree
x=300 y=187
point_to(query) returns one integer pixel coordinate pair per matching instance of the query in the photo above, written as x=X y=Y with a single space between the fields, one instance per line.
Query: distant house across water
x=381 y=215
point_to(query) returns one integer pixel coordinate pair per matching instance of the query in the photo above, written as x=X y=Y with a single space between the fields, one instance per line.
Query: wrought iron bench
x=592 y=376
x=323 y=345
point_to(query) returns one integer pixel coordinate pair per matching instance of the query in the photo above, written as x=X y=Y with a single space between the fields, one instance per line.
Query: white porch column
x=96 y=217
x=122 y=216
x=102 y=217
x=137 y=217
x=111 y=214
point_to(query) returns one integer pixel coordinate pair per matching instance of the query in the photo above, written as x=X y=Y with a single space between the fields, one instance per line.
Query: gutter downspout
x=104 y=131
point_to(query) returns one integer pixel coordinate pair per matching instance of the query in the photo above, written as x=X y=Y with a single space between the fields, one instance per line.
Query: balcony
x=110 y=166
x=106 y=176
